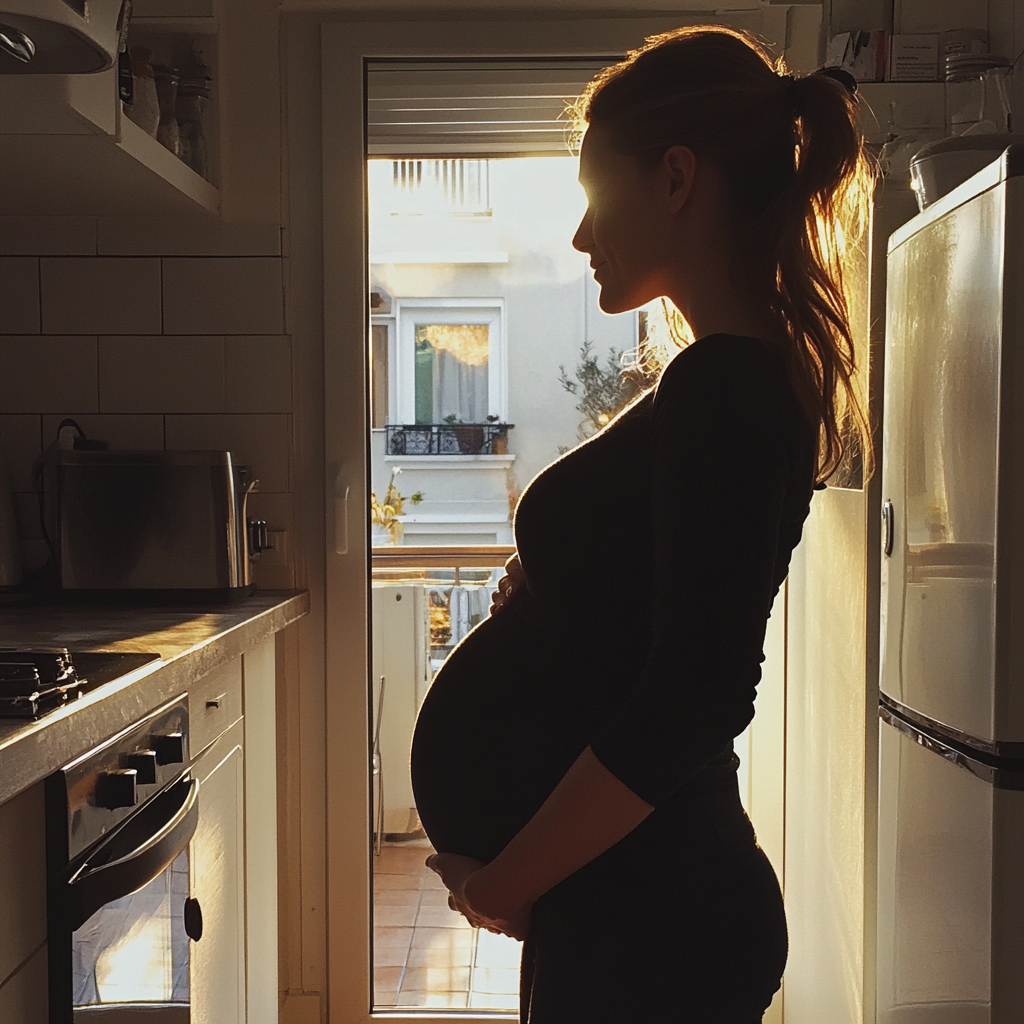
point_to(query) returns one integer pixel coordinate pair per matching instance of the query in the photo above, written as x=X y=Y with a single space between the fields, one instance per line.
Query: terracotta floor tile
x=400 y=860
x=386 y=977
x=396 y=898
x=440 y=917
x=391 y=882
x=461 y=938
x=432 y=880
x=392 y=937
x=496 y=980
x=439 y=955
x=498 y=951
x=389 y=957
x=436 y=979
x=398 y=916
x=433 y=897
x=447 y=999
x=493 y=1001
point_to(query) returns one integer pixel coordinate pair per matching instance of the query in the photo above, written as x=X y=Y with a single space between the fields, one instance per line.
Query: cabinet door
x=218 y=874
x=261 y=833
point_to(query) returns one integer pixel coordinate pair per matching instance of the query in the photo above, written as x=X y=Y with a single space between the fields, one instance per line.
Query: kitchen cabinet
x=234 y=851
x=23 y=908
x=259 y=682
x=67 y=148
x=218 y=875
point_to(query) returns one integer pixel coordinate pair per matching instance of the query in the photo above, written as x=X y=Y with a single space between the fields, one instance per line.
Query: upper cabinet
x=72 y=145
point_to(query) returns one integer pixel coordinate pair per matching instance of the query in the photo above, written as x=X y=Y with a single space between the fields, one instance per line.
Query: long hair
x=792 y=157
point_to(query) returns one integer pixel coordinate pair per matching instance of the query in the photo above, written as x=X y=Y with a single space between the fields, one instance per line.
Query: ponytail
x=792 y=158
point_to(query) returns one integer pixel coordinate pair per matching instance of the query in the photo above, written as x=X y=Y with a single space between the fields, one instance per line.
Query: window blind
x=477 y=108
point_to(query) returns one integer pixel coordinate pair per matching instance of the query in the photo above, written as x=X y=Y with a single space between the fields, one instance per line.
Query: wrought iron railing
x=447 y=438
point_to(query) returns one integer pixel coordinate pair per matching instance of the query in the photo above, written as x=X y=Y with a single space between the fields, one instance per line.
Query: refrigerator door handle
x=889 y=527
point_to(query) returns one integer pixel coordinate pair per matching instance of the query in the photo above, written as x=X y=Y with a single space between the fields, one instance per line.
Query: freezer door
x=950 y=910
x=944 y=309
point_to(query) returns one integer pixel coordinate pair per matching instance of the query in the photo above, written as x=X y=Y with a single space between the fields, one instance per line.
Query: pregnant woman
x=573 y=762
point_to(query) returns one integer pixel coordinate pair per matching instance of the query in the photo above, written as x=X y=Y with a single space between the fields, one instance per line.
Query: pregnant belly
x=508 y=713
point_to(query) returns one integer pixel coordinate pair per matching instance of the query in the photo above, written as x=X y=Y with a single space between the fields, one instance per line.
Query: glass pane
x=134 y=949
x=451 y=373
x=501 y=360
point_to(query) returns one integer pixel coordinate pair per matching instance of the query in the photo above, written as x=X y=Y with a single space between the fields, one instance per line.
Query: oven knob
x=144 y=762
x=116 y=788
x=169 y=748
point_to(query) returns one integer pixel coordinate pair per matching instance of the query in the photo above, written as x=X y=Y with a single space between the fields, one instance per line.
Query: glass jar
x=192 y=102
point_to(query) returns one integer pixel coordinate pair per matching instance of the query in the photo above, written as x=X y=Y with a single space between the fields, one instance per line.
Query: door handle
x=133 y=855
x=340 y=516
x=888 y=527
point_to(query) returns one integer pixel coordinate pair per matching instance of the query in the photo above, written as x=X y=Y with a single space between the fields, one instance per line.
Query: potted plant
x=384 y=514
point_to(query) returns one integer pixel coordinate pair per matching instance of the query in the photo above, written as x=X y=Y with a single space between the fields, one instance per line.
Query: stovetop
x=35 y=682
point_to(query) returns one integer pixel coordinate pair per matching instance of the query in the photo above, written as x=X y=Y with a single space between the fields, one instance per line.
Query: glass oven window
x=135 y=949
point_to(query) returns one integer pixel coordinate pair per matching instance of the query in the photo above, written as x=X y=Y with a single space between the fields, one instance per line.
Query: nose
x=583 y=240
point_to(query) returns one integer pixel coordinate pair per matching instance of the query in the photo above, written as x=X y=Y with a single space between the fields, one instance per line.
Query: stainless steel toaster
x=150 y=525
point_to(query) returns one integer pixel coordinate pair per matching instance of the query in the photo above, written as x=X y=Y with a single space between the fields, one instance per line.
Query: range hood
x=58 y=37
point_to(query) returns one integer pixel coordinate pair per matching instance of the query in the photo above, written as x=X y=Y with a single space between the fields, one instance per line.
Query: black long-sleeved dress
x=652 y=554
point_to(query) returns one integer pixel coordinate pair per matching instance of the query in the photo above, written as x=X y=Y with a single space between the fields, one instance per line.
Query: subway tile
x=20 y=439
x=26 y=514
x=181 y=236
x=258 y=373
x=100 y=295
x=19 y=295
x=272 y=577
x=48 y=236
x=44 y=374
x=162 y=374
x=261 y=441
x=122 y=433
x=276 y=509
x=223 y=295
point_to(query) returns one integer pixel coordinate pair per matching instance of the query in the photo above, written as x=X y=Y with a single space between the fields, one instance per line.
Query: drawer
x=214 y=704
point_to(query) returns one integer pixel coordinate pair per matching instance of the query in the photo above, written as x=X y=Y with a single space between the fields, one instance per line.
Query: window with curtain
x=451 y=380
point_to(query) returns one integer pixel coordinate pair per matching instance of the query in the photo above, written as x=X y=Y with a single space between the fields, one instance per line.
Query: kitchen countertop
x=191 y=641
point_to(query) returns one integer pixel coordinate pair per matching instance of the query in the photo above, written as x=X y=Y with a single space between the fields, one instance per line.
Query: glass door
x=487 y=345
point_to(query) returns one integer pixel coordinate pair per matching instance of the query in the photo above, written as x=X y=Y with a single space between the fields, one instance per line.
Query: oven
x=121 y=918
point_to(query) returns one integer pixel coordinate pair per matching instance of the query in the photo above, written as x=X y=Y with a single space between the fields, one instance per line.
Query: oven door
x=121 y=919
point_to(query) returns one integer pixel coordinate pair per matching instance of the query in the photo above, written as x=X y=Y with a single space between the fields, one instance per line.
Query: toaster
x=150 y=526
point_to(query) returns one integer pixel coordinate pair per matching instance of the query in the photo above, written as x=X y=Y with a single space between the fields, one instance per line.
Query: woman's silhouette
x=573 y=760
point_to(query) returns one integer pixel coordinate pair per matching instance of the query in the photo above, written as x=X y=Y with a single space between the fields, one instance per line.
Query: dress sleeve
x=720 y=465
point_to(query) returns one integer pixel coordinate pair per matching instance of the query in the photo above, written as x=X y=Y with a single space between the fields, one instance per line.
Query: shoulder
x=726 y=371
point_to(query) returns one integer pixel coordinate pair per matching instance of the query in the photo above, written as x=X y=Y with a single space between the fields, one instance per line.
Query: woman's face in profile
x=627 y=229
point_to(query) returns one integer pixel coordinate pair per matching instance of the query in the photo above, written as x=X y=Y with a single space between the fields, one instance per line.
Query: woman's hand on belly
x=514 y=580
x=455 y=871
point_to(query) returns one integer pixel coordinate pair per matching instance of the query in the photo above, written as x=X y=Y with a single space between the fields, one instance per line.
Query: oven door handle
x=135 y=854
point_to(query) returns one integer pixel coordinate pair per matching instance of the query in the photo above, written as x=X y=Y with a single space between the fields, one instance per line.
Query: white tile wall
x=82 y=336
x=19 y=295
x=261 y=441
x=166 y=236
x=44 y=374
x=100 y=296
x=229 y=295
x=165 y=374
x=259 y=374
x=48 y=236
x=145 y=433
x=21 y=443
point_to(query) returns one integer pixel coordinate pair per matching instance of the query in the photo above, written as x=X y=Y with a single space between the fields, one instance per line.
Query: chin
x=612 y=303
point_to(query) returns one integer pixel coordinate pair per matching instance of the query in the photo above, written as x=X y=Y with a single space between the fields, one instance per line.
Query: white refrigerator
x=951 y=756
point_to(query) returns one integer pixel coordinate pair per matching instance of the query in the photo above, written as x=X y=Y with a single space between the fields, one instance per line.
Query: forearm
x=589 y=811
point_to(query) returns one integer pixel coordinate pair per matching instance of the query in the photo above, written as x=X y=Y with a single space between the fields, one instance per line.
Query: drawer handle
x=214 y=702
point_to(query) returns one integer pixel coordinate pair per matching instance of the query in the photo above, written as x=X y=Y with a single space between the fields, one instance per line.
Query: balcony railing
x=448 y=438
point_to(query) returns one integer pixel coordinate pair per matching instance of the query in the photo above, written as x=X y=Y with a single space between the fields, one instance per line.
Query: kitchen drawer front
x=214 y=704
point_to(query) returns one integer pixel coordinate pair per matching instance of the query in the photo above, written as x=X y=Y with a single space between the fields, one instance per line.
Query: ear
x=680 y=167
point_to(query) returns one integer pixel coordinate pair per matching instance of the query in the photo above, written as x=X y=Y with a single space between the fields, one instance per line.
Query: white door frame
x=345 y=46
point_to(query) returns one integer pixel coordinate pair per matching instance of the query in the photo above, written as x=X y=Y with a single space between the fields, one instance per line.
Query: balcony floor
x=425 y=954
